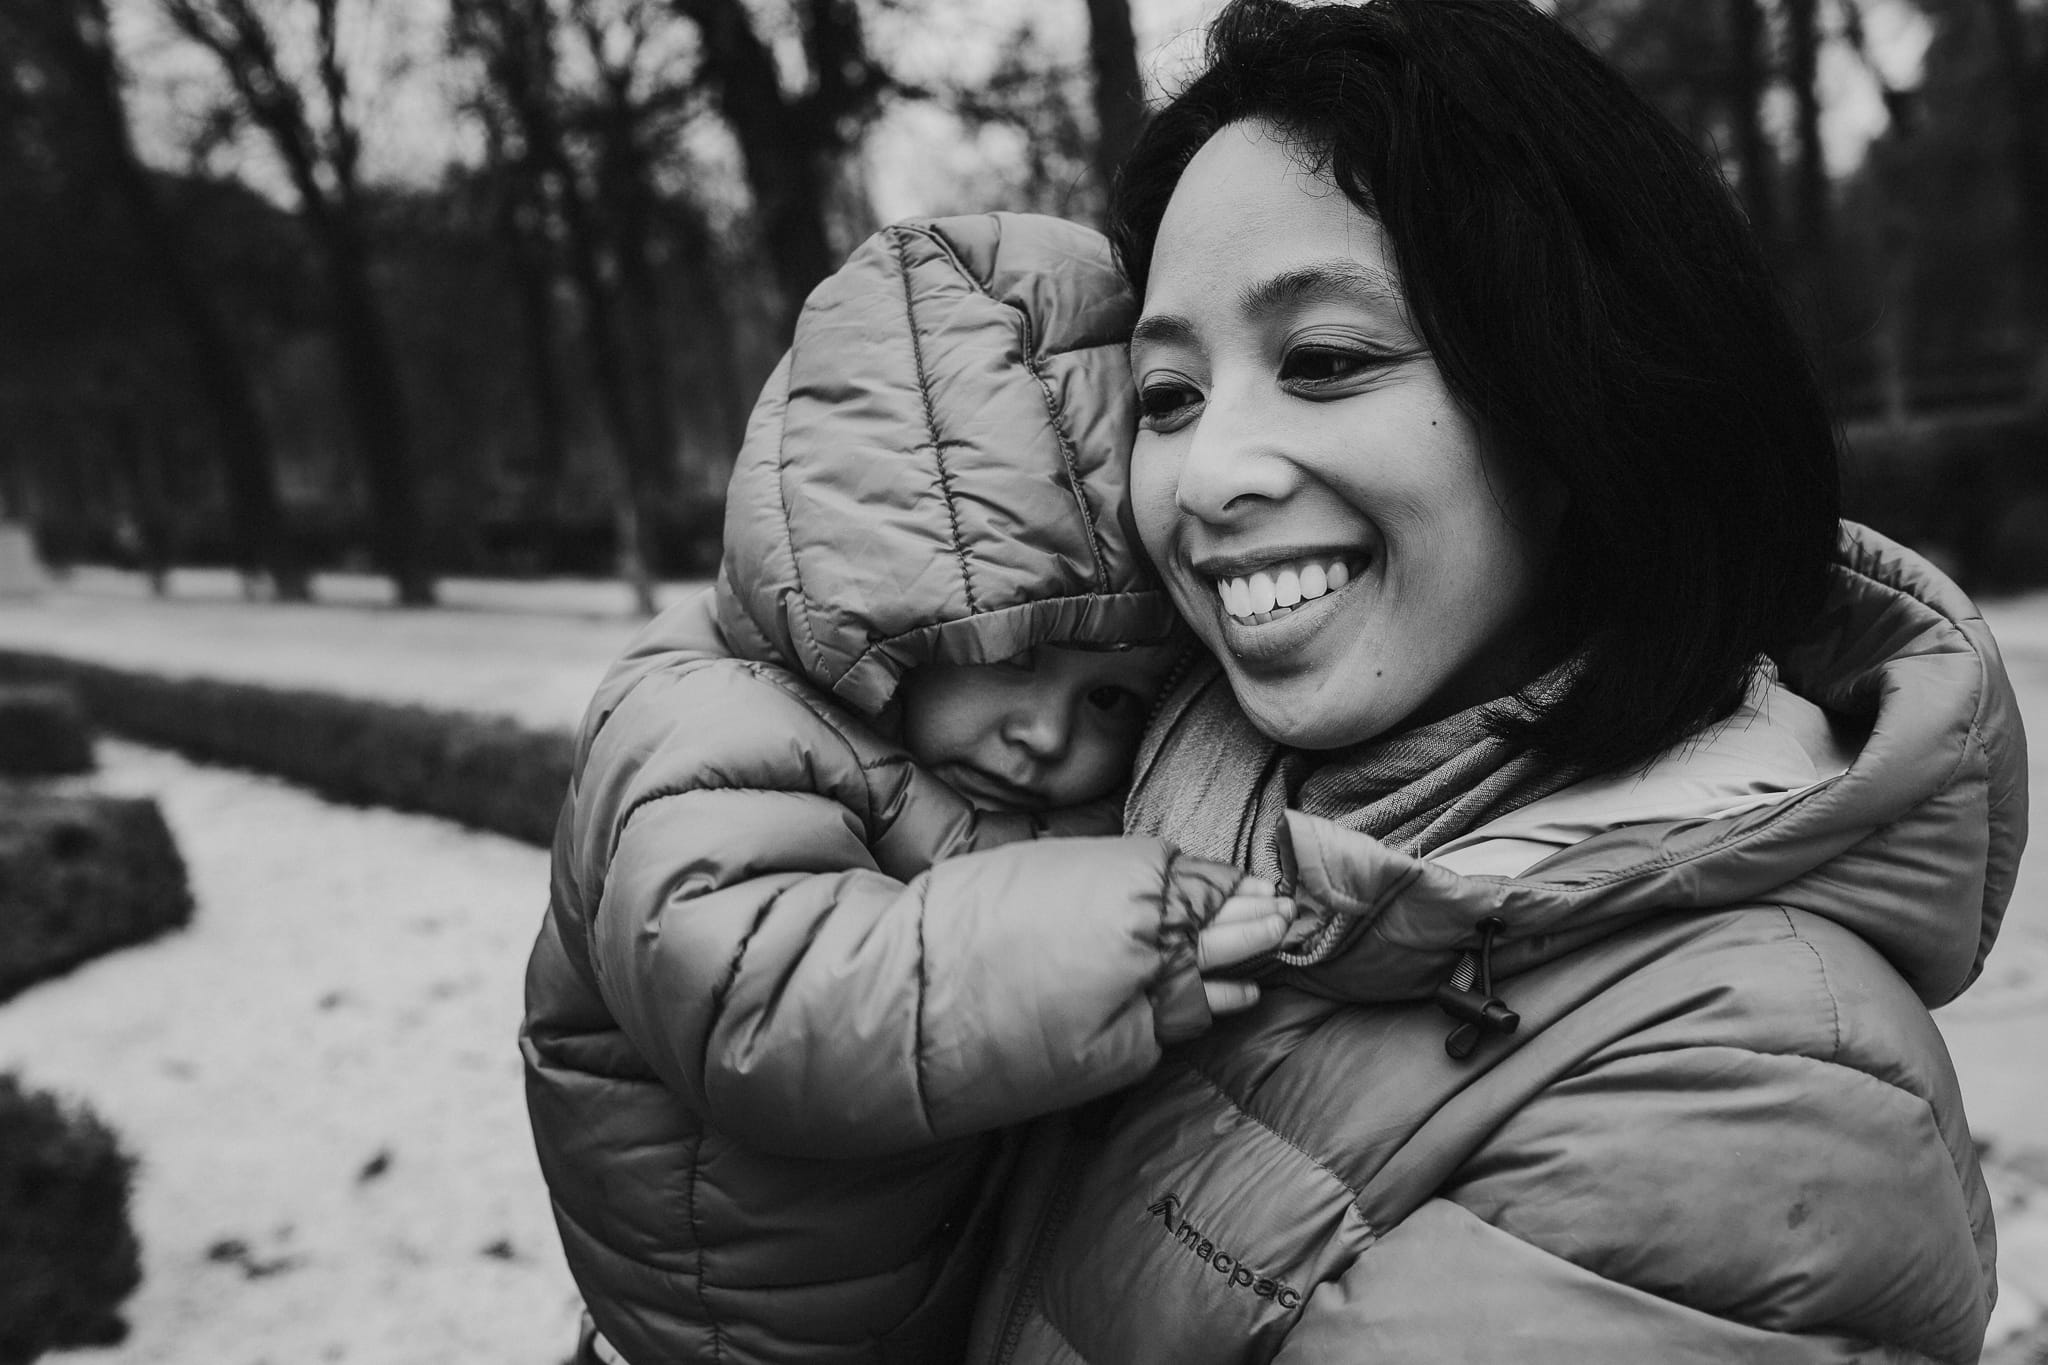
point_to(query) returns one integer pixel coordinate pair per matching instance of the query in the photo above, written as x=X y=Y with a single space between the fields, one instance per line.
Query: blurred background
x=369 y=369
x=434 y=287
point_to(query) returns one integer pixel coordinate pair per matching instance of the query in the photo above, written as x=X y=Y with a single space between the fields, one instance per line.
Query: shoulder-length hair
x=1595 y=301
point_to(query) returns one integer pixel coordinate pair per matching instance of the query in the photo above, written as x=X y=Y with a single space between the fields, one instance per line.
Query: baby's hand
x=1253 y=920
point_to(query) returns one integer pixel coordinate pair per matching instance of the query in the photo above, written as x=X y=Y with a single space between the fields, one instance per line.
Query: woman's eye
x=1318 y=365
x=1162 y=404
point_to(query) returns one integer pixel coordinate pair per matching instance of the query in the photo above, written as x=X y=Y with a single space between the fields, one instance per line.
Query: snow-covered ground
x=322 y=1081
x=320 y=1073
x=530 y=651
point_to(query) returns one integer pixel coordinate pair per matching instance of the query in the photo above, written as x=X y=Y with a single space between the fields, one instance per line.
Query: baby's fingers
x=1249 y=906
x=1227 y=942
x=1230 y=997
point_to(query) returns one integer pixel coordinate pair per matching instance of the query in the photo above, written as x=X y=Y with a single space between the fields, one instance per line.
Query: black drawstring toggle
x=1479 y=1011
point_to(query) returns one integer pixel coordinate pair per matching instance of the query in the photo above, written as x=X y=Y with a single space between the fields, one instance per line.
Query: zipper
x=1050 y=1219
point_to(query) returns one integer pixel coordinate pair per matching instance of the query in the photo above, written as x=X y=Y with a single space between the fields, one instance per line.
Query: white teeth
x=1270 y=593
x=1286 y=588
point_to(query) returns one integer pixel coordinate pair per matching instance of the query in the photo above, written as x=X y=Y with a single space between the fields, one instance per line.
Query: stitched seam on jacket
x=729 y=978
x=1035 y=364
x=796 y=570
x=924 y=1104
x=1356 y=1191
x=1068 y=456
x=1819 y=962
x=931 y=422
x=697 y=1233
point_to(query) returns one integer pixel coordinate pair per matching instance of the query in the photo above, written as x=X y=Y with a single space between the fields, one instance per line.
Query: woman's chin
x=1310 y=710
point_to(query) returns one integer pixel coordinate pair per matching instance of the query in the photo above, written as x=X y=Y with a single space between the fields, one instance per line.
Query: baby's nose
x=1040 y=731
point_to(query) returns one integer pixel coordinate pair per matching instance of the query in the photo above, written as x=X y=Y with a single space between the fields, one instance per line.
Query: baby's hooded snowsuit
x=768 y=1043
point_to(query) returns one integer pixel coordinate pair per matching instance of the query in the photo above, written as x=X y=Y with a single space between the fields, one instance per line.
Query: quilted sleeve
x=806 y=998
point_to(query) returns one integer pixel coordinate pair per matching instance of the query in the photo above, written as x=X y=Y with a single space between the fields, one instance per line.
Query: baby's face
x=1053 y=727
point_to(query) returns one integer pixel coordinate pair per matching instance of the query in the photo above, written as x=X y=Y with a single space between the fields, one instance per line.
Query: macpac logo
x=1166 y=1208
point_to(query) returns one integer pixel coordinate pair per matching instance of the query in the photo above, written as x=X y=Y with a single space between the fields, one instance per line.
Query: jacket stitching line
x=1357 y=1192
x=1093 y=599
x=1834 y=1004
x=924 y=1104
x=1068 y=456
x=1666 y=860
x=1034 y=363
x=931 y=422
x=729 y=978
x=796 y=568
x=697 y=1233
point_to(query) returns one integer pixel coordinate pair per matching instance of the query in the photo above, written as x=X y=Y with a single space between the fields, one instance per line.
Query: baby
x=809 y=948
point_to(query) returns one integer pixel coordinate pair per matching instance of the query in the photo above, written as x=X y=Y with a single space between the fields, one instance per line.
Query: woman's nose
x=1231 y=463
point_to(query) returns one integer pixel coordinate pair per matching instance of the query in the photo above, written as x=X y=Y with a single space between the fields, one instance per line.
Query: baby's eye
x=1114 y=700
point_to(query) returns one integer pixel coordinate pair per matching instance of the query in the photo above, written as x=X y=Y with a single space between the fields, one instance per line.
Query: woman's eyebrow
x=1162 y=329
x=1347 y=280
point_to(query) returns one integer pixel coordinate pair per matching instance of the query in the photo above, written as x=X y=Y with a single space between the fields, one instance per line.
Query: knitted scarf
x=1213 y=786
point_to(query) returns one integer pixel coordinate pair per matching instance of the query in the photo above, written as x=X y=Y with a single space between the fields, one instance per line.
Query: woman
x=1643 y=812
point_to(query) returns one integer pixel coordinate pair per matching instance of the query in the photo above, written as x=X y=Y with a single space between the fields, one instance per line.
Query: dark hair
x=1594 y=300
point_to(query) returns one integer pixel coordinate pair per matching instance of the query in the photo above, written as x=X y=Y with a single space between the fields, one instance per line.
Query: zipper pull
x=1480 y=1011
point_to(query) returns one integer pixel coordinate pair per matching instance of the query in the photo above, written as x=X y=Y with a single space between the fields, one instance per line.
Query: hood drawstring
x=1477 y=1011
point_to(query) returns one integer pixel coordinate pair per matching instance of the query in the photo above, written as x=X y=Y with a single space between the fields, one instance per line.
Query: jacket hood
x=936 y=471
x=1914 y=846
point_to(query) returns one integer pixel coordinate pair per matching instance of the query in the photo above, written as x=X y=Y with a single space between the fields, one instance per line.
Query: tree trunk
x=1119 y=90
x=526 y=255
x=376 y=409
x=254 y=507
x=1810 y=201
x=2029 y=156
x=783 y=148
x=1748 y=68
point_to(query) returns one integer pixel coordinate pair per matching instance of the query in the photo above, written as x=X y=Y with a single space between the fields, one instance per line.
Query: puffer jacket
x=768 y=1043
x=1725 y=1130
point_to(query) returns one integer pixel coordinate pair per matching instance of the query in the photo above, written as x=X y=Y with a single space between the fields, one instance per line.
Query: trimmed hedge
x=43 y=732
x=81 y=876
x=68 y=1253
x=483 y=771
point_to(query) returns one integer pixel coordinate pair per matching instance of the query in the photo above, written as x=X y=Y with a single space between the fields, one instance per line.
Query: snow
x=481 y=653
x=348 y=995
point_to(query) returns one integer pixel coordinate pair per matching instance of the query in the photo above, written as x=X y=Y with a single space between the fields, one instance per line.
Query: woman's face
x=1327 y=518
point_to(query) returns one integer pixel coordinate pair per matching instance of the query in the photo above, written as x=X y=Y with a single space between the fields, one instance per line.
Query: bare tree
x=1119 y=91
x=2024 y=74
x=605 y=214
x=75 y=35
x=322 y=155
x=789 y=142
x=1748 y=78
x=1802 y=72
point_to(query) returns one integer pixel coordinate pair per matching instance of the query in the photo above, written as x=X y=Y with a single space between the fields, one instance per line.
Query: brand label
x=1166 y=1208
